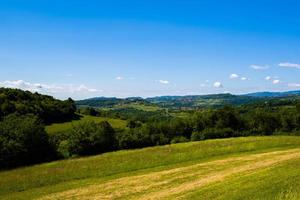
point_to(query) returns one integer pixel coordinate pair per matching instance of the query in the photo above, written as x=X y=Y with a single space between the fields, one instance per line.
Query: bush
x=63 y=149
x=197 y=136
x=134 y=138
x=23 y=141
x=179 y=139
x=212 y=133
x=89 y=138
x=159 y=139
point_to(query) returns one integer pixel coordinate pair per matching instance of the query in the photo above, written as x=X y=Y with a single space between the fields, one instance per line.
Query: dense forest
x=46 y=108
x=24 y=141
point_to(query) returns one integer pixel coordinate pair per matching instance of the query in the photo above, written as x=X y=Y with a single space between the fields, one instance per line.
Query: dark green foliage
x=45 y=107
x=179 y=139
x=89 y=138
x=133 y=124
x=89 y=111
x=213 y=133
x=23 y=141
x=264 y=123
x=197 y=136
x=134 y=138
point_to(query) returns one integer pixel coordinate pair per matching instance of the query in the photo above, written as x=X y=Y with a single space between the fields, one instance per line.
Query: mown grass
x=62 y=127
x=31 y=182
x=276 y=183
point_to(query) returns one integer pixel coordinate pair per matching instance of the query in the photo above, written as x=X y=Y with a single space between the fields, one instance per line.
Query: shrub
x=159 y=139
x=90 y=138
x=197 y=136
x=63 y=149
x=212 y=133
x=179 y=139
x=23 y=141
x=134 y=138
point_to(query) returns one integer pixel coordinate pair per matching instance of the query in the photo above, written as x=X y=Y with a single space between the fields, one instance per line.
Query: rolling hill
x=189 y=102
x=236 y=168
x=274 y=94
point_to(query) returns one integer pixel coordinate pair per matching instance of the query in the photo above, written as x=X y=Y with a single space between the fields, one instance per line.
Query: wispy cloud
x=289 y=65
x=267 y=78
x=259 y=67
x=218 y=84
x=119 y=78
x=273 y=79
x=164 y=81
x=294 y=85
x=234 y=76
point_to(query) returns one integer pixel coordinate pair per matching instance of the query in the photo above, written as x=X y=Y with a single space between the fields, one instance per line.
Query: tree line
x=46 y=108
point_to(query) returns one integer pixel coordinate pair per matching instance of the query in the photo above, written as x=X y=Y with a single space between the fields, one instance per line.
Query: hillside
x=67 y=126
x=189 y=102
x=274 y=94
x=47 y=108
x=212 y=169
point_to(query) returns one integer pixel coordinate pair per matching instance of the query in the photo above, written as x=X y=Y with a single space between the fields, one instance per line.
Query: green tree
x=23 y=140
x=91 y=138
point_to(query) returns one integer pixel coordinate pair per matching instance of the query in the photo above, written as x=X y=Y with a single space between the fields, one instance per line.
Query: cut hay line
x=175 y=183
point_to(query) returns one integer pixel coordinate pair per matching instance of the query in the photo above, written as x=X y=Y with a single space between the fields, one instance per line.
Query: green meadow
x=61 y=127
x=235 y=168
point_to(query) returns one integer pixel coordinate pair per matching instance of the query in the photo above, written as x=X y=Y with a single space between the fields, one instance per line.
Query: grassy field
x=138 y=106
x=236 y=168
x=61 y=127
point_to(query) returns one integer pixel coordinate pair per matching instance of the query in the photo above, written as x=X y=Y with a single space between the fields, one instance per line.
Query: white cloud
x=234 y=76
x=294 y=85
x=273 y=79
x=267 y=78
x=49 y=89
x=163 y=81
x=20 y=84
x=259 y=67
x=217 y=84
x=289 y=65
x=82 y=88
x=119 y=78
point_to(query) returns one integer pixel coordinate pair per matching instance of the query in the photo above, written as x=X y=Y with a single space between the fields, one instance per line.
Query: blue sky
x=147 y=48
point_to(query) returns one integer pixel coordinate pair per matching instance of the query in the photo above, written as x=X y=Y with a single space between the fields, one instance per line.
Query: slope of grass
x=278 y=182
x=196 y=170
x=61 y=127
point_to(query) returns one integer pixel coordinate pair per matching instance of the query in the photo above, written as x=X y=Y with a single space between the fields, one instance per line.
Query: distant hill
x=190 y=101
x=274 y=94
x=109 y=101
x=200 y=101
